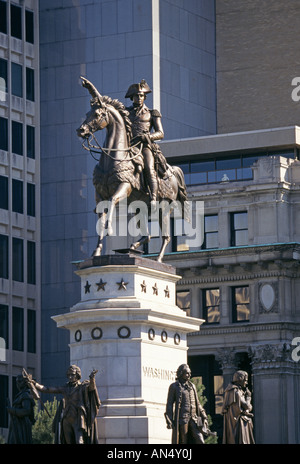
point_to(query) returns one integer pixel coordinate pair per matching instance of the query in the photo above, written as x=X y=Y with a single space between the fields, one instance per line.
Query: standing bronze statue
x=21 y=415
x=76 y=415
x=184 y=413
x=238 y=425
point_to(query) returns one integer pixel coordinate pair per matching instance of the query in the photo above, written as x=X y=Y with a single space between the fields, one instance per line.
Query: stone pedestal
x=127 y=326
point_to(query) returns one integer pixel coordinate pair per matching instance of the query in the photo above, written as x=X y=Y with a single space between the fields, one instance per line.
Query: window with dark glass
x=3 y=256
x=17 y=328
x=30 y=143
x=3 y=78
x=3 y=192
x=31 y=199
x=17 y=137
x=17 y=196
x=3 y=401
x=211 y=305
x=16 y=21
x=4 y=134
x=239 y=229
x=211 y=236
x=183 y=300
x=240 y=304
x=18 y=259
x=16 y=80
x=30 y=84
x=29 y=26
x=31 y=263
x=31 y=331
x=4 y=325
x=3 y=17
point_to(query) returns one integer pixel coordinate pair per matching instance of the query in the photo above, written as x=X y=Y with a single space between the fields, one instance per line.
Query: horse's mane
x=123 y=112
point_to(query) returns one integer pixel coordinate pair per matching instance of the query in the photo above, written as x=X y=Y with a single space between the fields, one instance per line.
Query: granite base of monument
x=127 y=326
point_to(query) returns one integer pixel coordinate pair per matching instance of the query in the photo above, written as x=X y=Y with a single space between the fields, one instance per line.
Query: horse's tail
x=182 y=192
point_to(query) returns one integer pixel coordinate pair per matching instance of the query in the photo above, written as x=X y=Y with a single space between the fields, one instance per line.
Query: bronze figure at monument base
x=75 y=420
x=238 y=426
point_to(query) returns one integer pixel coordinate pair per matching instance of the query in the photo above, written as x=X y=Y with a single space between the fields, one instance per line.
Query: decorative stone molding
x=270 y=356
x=206 y=279
x=226 y=358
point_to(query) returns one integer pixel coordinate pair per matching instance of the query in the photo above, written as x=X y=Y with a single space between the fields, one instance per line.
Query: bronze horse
x=118 y=174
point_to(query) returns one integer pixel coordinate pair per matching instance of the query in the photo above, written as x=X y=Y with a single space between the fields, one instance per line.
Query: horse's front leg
x=165 y=242
x=123 y=191
x=100 y=227
x=164 y=222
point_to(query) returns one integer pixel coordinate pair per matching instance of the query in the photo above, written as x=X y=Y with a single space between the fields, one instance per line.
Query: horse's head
x=97 y=118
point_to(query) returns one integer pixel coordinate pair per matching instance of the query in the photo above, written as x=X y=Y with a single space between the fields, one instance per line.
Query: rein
x=98 y=149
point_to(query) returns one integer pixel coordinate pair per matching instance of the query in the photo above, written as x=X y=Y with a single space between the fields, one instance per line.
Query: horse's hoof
x=97 y=252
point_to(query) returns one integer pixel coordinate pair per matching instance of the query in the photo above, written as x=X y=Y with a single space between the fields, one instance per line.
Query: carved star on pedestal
x=87 y=287
x=101 y=285
x=144 y=287
x=155 y=289
x=122 y=285
x=167 y=292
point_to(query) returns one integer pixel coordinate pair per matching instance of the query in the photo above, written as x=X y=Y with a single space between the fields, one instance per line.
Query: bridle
x=106 y=151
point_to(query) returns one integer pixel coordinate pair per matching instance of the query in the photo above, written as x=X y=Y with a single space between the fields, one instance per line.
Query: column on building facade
x=226 y=357
x=276 y=381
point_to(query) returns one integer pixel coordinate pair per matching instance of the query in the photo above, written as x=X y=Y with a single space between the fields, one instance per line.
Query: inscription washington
x=158 y=373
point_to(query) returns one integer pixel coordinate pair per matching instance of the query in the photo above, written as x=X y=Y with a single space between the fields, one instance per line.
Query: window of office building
x=4 y=134
x=16 y=80
x=3 y=256
x=30 y=84
x=3 y=17
x=211 y=239
x=31 y=331
x=30 y=144
x=17 y=196
x=240 y=304
x=18 y=259
x=17 y=328
x=29 y=26
x=183 y=300
x=31 y=263
x=4 y=326
x=211 y=305
x=16 y=21
x=31 y=199
x=3 y=78
x=17 y=137
x=239 y=229
x=3 y=192
x=3 y=401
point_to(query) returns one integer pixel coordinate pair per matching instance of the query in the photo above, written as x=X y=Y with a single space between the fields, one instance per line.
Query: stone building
x=244 y=279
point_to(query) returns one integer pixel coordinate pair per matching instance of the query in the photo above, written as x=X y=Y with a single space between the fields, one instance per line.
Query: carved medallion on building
x=268 y=297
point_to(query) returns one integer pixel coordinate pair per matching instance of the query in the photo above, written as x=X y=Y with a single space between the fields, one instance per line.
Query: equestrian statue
x=131 y=165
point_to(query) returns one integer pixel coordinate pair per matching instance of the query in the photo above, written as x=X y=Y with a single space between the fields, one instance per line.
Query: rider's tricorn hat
x=136 y=88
